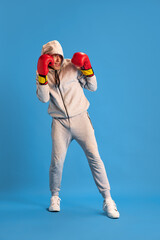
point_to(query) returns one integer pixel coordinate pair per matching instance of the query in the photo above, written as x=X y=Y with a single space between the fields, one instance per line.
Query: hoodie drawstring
x=57 y=79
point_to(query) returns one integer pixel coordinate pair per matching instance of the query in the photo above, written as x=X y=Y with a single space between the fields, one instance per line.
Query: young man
x=61 y=81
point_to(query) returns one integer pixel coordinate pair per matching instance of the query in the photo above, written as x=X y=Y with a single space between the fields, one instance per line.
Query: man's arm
x=42 y=91
x=41 y=77
x=89 y=83
x=87 y=78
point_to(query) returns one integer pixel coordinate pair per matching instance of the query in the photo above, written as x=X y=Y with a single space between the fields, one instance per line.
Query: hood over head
x=52 y=47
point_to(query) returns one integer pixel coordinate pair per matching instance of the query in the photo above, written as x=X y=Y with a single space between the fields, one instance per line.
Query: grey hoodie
x=68 y=99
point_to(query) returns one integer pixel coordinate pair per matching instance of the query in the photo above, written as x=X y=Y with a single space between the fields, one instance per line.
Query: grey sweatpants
x=63 y=132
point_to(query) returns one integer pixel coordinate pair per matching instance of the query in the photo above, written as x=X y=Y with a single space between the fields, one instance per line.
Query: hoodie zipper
x=63 y=101
x=58 y=85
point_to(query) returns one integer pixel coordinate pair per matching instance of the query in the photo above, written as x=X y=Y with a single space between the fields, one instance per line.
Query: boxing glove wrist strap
x=88 y=72
x=43 y=80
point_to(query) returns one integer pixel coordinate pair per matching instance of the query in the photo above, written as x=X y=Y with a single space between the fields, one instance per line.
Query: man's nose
x=57 y=58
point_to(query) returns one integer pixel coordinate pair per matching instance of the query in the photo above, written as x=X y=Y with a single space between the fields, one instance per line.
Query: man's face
x=57 y=61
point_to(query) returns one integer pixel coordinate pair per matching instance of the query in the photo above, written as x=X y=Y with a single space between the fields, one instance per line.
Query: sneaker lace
x=111 y=203
x=55 y=200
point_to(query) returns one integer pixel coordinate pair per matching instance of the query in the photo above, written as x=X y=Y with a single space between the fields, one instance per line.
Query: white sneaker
x=110 y=208
x=55 y=204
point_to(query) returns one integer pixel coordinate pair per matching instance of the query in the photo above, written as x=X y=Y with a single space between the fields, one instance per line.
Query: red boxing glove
x=42 y=67
x=43 y=63
x=81 y=60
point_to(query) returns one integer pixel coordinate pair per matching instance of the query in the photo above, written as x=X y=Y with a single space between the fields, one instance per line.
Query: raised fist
x=81 y=60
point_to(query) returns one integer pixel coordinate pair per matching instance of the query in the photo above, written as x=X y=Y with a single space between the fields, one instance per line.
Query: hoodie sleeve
x=89 y=83
x=42 y=91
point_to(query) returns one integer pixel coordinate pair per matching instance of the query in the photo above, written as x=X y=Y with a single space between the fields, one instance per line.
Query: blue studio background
x=122 y=40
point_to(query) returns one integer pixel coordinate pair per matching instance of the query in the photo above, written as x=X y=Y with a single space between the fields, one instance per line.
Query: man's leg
x=83 y=133
x=61 y=138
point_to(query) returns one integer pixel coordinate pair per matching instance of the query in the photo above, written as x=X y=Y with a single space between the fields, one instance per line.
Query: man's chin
x=57 y=68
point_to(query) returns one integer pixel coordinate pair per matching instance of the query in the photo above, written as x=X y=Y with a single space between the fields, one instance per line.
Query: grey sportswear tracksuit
x=68 y=109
